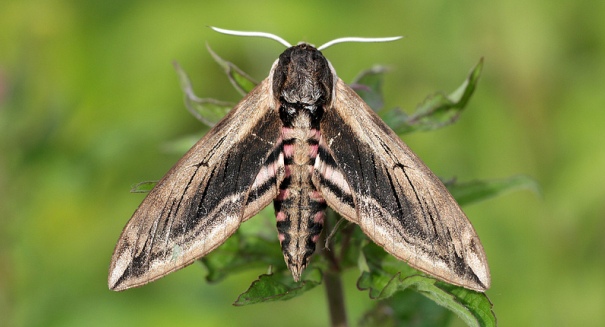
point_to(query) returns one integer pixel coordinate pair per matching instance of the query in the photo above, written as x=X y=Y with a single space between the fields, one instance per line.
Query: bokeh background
x=88 y=98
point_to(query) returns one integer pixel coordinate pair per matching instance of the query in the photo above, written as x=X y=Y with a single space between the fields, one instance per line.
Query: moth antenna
x=334 y=230
x=259 y=34
x=359 y=39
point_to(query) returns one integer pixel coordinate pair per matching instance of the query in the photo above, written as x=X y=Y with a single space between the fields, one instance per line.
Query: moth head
x=303 y=76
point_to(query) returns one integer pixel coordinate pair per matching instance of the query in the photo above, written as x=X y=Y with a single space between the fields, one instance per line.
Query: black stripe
x=211 y=152
x=314 y=228
x=192 y=221
x=325 y=157
x=261 y=190
x=283 y=226
x=277 y=206
x=285 y=184
x=340 y=194
x=394 y=190
x=274 y=155
x=312 y=141
x=422 y=207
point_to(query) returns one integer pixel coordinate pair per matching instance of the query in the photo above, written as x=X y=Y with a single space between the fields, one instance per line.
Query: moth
x=303 y=140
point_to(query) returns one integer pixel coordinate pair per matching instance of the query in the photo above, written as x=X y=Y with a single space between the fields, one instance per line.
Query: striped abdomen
x=299 y=207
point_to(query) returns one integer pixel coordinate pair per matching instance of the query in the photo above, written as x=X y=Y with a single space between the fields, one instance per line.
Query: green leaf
x=143 y=187
x=368 y=84
x=477 y=303
x=279 y=287
x=388 y=276
x=406 y=309
x=240 y=80
x=381 y=267
x=475 y=191
x=436 y=111
x=242 y=252
x=208 y=111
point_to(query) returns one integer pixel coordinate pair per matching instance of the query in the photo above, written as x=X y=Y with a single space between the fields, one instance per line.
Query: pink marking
x=281 y=237
x=288 y=150
x=315 y=238
x=287 y=171
x=287 y=132
x=313 y=151
x=316 y=196
x=313 y=134
x=319 y=217
x=283 y=194
x=327 y=171
x=335 y=177
x=280 y=216
x=265 y=174
x=271 y=170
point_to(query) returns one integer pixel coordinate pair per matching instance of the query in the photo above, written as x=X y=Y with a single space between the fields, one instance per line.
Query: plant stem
x=335 y=295
x=332 y=278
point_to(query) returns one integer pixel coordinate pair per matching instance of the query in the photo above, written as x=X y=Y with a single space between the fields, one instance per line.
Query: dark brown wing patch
x=400 y=204
x=202 y=200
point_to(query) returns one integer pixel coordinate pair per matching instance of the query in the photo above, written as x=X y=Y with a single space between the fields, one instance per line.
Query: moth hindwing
x=304 y=140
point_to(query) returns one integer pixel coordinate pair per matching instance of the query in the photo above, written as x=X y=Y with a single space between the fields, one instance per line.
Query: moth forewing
x=400 y=204
x=202 y=200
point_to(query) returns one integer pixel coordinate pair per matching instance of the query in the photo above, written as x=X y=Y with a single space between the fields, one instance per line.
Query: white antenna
x=259 y=34
x=288 y=45
x=359 y=39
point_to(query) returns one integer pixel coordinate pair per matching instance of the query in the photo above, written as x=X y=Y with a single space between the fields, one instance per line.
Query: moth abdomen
x=299 y=206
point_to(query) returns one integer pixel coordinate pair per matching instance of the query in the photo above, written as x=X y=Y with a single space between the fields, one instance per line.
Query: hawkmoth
x=303 y=140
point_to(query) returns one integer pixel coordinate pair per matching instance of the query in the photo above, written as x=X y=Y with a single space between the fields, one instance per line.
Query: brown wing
x=373 y=179
x=227 y=177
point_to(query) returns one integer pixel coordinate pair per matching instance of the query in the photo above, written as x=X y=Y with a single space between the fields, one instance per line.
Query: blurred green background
x=88 y=96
